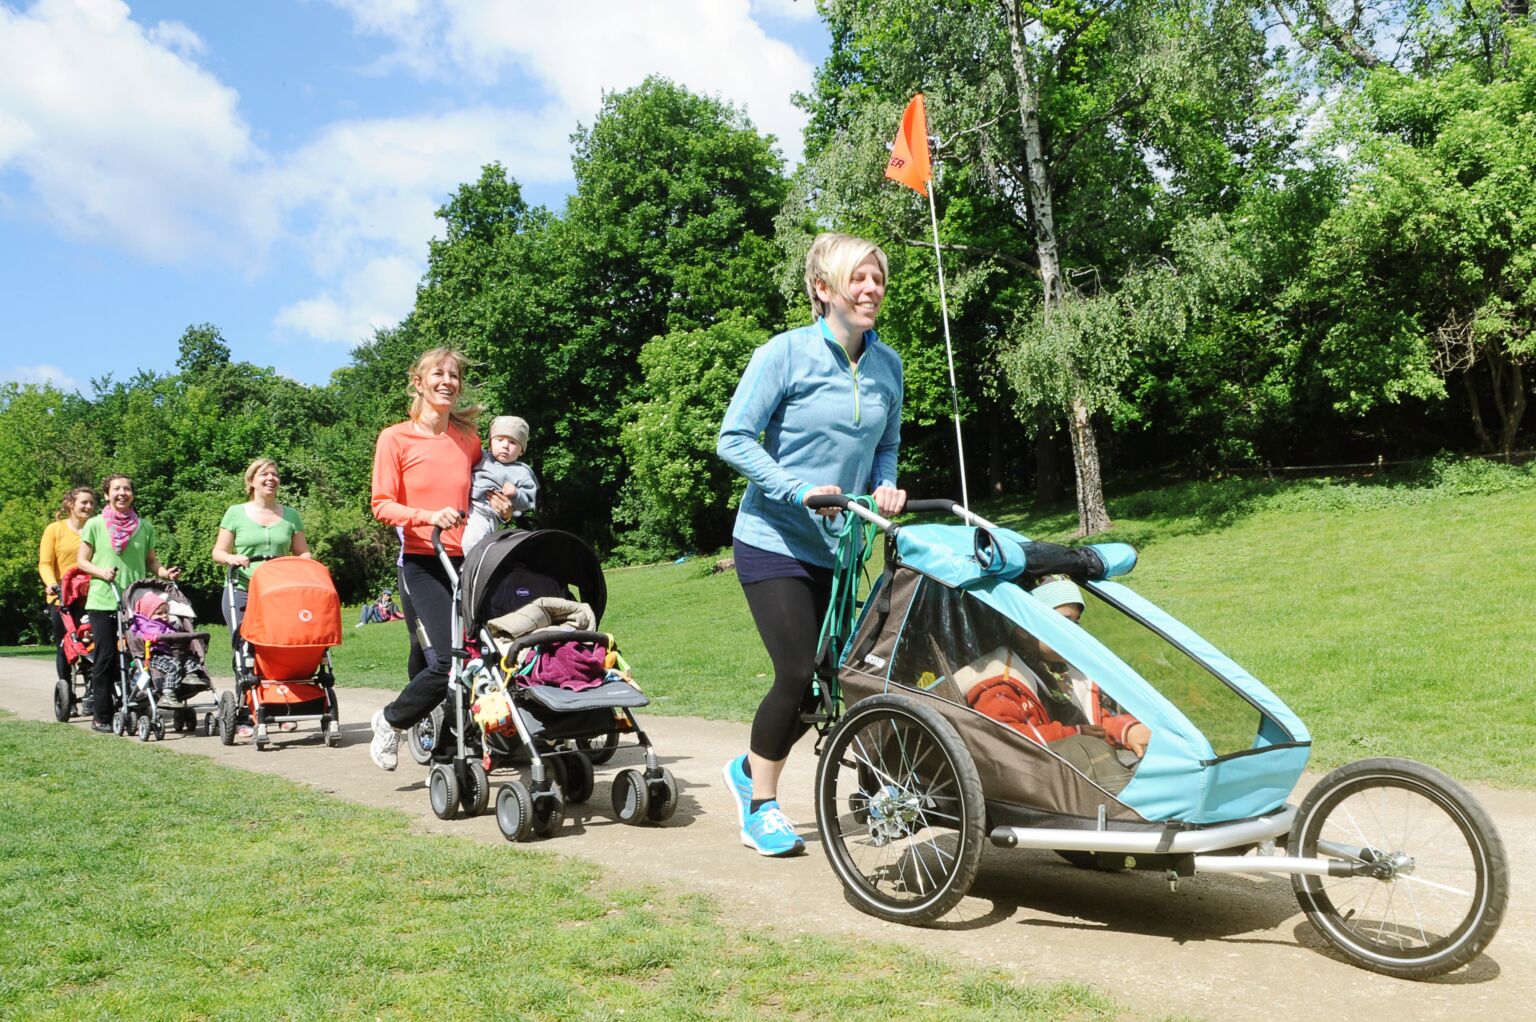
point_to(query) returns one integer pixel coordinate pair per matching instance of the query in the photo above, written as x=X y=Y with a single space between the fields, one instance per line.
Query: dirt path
x=1219 y=948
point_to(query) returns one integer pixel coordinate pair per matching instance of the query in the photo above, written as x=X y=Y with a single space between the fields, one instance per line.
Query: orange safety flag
x=909 y=153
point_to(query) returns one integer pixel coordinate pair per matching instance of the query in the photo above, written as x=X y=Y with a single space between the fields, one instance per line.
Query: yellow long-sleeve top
x=56 y=554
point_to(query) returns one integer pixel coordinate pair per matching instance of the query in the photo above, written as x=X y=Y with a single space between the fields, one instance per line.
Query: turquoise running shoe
x=740 y=786
x=769 y=831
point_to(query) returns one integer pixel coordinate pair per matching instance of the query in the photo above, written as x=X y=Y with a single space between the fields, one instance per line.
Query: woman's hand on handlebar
x=889 y=500
x=446 y=518
x=238 y=561
x=817 y=491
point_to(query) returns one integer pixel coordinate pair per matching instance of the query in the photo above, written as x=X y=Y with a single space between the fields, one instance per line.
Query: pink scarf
x=121 y=526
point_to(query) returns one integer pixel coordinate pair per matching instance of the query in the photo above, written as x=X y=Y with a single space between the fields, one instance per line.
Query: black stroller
x=546 y=727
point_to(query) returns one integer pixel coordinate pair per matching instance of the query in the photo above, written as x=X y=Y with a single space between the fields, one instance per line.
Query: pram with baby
x=72 y=695
x=523 y=693
x=164 y=664
x=1395 y=863
x=282 y=662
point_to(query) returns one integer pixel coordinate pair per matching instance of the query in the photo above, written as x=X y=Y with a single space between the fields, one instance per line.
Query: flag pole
x=909 y=165
x=949 y=349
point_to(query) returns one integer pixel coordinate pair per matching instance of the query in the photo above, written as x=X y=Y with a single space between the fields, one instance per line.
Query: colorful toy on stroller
x=164 y=670
x=73 y=695
x=282 y=662
x=1395 y=863
x=499 y=712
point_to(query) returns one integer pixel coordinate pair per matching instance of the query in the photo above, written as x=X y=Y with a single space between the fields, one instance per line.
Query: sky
x=273 y=168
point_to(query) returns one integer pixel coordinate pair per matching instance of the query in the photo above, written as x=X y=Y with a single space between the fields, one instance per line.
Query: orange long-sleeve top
x=416 y=475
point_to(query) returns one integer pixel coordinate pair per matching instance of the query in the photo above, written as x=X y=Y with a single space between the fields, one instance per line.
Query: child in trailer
x=500 y=471
x=1055 y=704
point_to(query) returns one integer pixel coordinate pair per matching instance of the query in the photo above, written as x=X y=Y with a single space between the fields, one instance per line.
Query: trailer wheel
x=900 y=810
x=1430 y=879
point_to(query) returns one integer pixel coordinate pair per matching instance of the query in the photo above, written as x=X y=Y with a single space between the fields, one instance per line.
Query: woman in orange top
x=56 y=555
x=421 y=474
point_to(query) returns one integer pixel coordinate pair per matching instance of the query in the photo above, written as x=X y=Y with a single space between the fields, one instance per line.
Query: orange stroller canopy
x=292 y=617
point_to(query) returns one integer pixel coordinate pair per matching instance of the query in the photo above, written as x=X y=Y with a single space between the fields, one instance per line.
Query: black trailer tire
x=1439 y=879
x=227 y=711
x=908 y=851
x=63 y=700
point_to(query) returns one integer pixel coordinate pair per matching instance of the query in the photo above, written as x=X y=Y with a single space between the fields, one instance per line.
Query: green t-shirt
x=252 y=540
x=130 y=563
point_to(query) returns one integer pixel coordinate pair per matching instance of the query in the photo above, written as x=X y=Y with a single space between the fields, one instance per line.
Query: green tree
x=680 y=494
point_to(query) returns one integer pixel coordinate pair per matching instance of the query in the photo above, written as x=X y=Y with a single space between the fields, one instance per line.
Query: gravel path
x=1219 y=948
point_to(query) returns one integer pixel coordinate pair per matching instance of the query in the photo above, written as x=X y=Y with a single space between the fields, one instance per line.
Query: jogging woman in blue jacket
x=826 y=401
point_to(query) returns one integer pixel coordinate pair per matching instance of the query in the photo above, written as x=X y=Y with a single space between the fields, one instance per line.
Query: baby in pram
x=172 y=662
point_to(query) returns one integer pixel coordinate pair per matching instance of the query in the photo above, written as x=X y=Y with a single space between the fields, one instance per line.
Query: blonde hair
x=252 y=470
x=462 y=416
x=832 y=259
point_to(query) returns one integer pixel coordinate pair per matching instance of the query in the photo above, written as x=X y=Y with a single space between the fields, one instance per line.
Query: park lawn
x=139 y=883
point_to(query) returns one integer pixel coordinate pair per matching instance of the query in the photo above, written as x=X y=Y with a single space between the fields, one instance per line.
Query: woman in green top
x=261 y=527
x=115 y=546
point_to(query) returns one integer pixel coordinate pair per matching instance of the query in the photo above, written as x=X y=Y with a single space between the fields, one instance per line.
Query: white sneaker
x=385 y=747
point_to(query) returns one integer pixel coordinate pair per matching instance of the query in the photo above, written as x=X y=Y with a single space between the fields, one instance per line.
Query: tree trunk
x=1047 y=466
x=1474 y=402
x=1092 y=516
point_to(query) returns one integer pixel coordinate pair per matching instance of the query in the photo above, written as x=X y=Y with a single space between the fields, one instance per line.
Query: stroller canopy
x=1223 y=746
x=511 y=568
x=292 y=617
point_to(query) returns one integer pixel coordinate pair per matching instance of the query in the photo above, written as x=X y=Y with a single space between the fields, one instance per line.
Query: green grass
x=138 y=883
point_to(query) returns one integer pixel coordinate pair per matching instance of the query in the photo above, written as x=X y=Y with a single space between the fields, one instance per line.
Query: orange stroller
x=282 y=661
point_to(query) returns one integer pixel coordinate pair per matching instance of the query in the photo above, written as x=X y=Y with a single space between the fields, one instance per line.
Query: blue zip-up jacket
x=822 y=421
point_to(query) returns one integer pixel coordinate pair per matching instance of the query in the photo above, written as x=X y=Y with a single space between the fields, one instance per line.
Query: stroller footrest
x=606 y=696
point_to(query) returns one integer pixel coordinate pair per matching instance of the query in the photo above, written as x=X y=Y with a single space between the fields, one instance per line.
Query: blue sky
x=273 y=167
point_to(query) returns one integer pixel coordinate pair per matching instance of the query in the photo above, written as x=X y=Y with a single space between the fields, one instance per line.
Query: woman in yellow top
x=56 y=555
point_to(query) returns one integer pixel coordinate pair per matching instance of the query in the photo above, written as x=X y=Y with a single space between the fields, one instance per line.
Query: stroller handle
x=442 y=555
x=941 y=505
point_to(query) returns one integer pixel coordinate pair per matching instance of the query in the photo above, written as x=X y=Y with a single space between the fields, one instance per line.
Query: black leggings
x=427 y=597
x=60 y=661
x=788 y=614
x=105 y=670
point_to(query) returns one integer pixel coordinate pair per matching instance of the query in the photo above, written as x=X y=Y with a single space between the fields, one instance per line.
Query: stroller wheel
x=475 y=792
x=663 y=797
x=119 y=723
x=599 y=750
x=577 y=780
x=226 y=718
x=63 y=700
x=208 y=726
x=443 y=791
x=159 y=730
x=631 y=797
x=548 y=810
x=145 y=729
x=514 y=811
x=906 y=848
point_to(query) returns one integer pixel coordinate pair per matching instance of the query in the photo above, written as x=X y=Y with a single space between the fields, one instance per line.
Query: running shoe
x=385 y=747
x=740 y=786
x=769 y=831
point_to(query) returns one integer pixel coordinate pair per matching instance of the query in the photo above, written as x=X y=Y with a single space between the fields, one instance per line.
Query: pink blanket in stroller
x=570 y=665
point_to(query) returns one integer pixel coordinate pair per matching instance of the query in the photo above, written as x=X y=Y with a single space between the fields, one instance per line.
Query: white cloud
x=121 y=136
x=378 y=294
x=43 y=374
x=577 y=52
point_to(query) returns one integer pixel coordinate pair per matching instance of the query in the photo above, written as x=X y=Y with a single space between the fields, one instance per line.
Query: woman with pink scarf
x=117 y=545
